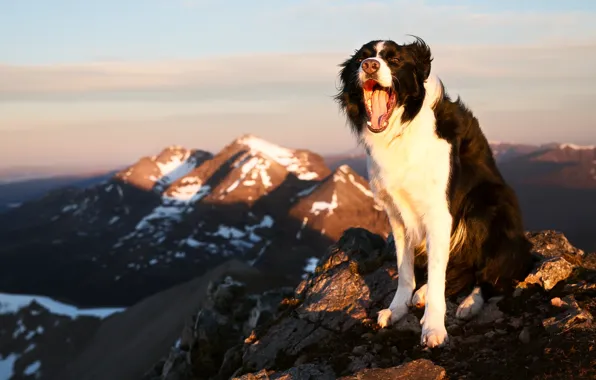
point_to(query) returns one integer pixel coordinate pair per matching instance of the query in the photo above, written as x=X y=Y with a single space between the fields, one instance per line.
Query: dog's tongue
x=379 y=107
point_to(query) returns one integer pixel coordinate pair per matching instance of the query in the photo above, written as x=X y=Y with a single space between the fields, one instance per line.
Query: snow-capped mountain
x=173 y=216
x=158 y=172
x=320 y=211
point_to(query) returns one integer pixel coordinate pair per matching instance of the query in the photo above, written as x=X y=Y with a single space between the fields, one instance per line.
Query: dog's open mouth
x=380 y=103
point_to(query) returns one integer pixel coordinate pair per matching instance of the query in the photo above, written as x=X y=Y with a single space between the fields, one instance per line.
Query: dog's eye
x=395 y=59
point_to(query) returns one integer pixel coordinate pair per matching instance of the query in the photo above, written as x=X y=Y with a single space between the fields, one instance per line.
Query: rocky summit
x=326 y=328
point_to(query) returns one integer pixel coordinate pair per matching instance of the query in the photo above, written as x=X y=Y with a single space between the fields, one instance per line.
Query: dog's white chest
x=412 y=170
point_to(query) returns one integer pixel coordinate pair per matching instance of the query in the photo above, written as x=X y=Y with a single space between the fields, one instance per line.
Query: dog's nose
x=370 y=65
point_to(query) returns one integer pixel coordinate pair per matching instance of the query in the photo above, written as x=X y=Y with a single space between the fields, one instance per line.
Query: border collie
x=432 y=169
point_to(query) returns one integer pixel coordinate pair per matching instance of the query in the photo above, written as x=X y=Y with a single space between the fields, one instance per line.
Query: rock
x=550 y=272
x=211 y=343
x=359 y=350
x=516 y=323
x=334 y=304
x=408 y=323
x=361 y=362
x=302 y=372
x=573 y=316
x=421 y=369
x=232 y=359
x=489 y=314
x=524 y=335
x=589 y=261
x=261 y=375
x=567 y=302
x=581 y=287
x=550 y=243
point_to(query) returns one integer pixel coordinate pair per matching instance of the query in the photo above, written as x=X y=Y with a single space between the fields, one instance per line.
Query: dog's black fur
x=496 y=253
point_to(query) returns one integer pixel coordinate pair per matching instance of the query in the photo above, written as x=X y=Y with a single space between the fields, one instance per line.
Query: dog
x=432 y=170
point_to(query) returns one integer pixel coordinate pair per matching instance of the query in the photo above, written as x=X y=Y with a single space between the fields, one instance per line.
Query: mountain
x=15 y=192
x=40 y=334
x=555 y=184
x=154 y=325
x=173 y=216
x=564 y=165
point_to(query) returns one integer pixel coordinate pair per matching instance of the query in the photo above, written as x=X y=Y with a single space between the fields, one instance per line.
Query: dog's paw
x=470 y=306
x=387 y=317
x=419 y=298
x=434 y=336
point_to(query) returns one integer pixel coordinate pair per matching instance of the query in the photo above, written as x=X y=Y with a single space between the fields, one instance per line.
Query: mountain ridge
x=163 y=220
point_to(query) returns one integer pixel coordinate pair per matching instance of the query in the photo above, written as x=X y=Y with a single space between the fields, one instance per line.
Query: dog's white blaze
x=471 y=305
x=409 y=168
x=384 y=76
x=379 y=47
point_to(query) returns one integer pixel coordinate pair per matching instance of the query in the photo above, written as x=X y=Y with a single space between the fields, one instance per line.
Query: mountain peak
x=576 y=147
x=159 y=171
x=326 y=206
x=298 y=162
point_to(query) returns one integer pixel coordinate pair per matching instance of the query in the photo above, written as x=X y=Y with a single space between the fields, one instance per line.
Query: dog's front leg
x=406 y=282
x=438 y=232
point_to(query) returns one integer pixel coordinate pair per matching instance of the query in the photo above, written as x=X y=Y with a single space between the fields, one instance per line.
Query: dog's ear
x=422 y=55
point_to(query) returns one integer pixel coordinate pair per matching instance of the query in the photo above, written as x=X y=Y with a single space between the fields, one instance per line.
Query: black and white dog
x=431 y=168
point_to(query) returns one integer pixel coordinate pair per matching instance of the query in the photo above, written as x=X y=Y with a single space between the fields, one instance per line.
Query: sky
x=99 y=83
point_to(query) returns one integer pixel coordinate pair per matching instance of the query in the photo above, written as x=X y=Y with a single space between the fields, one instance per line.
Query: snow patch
x=283 y=156
x=251 y=168
x=577 y=147
x=299 y=233
x=245 y=238
x=259 y=254
x=311 y=264
x=318 y=207
x=32 y=368
x=360 y=187
x=12 y=303
x=189 y=189
x=69 y=208
x=6 y=366
x=179 y=165
x=159 y=221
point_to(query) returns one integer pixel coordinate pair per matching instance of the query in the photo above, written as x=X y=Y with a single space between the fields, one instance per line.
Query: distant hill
x=16 y=191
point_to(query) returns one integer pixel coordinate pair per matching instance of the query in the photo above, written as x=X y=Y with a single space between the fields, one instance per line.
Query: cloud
x=219 y=72
x=532 y=93
x=242 y=77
